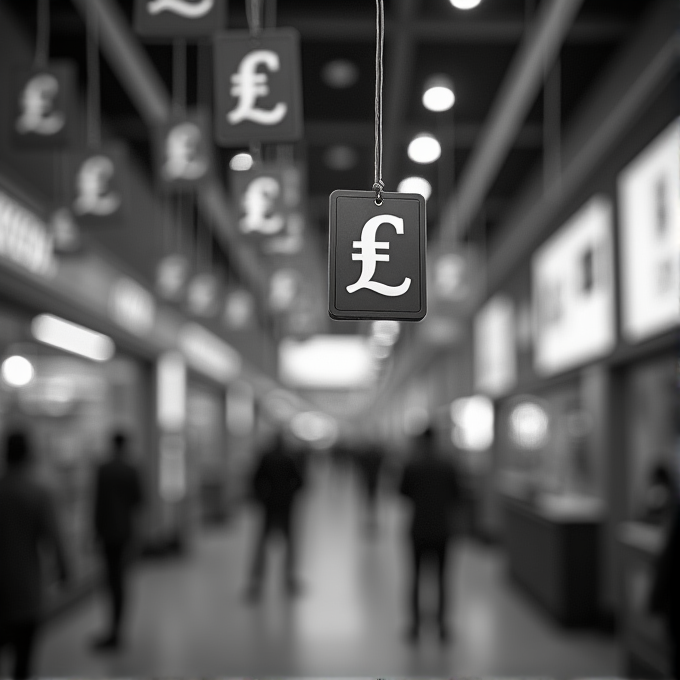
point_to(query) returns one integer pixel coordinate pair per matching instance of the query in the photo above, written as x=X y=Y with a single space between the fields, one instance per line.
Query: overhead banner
x=97 y=186
x=270 y=210
x=179 y=18
x=371 y=278
x=43 y=105
x=182 y=152
x=258 y=87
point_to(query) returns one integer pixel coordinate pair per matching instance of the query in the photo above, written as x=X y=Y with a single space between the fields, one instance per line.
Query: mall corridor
x=189 y=618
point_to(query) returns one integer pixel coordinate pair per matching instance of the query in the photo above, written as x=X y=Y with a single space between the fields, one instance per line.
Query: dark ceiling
x=423 y=37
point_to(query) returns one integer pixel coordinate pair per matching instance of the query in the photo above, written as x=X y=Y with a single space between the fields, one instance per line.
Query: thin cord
x=378 y=184
x=179 y=74
x=93 y=81
x=42 y=40
x=254 y=16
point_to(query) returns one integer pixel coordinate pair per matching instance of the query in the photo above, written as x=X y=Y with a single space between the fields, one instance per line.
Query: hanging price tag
x=179 y=18
x=377 y=256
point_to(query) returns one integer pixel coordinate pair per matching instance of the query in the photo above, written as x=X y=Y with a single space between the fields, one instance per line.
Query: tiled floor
x=189 y=619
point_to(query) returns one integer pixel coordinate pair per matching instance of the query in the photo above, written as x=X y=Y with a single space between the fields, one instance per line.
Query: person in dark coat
x=276 y=481
x=28 y=530
x=369 y=462
x=118 y=499
x=665 y=596
x=430 y=484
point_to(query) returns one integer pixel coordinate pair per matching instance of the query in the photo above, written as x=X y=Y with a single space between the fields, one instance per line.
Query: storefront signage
x=44 y=108
x=377 y=279
x=97 y=186
x=258 y=88
x=573 y=291
x=182 y=152
x=649 y=203
x=495 y=359
x=179 y=18
x=25 y=240
x=132 y=306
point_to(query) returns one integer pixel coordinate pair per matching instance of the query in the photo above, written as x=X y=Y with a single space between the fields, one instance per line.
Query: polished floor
x=189 y=617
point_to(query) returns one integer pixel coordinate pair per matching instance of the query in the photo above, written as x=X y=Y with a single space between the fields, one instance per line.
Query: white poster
x=573 y=291
x=649 y=206
x=495 y=360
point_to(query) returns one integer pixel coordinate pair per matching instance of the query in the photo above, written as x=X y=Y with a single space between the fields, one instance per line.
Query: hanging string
x=378 y=184
x=179 y=74
x=93 y=78
x=42 y=39
x=254 y=16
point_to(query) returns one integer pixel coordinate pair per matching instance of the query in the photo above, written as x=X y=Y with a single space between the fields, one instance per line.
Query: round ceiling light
x=438 y=93
x=415 y=185
x=465 y=4
x=241 y=162
x=340 y=73
x=424 y=148
x=17 y=371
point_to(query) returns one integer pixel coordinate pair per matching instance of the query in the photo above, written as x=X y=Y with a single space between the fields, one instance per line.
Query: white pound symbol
x=181 y=150
x=248 y=85
x=369 y=257
x=93 y=185
x=257 y=202
x=190 y=10
x=37 y=102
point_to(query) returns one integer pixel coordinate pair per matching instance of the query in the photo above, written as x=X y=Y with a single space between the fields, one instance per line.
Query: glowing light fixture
x=529 y=425
x=415 y=185
x=465 y=4
x=340 y=73
x=17 y=371
x=73 y=338
x=241 y=162
x=424 y=148
x=472 y=418
x=438 y=93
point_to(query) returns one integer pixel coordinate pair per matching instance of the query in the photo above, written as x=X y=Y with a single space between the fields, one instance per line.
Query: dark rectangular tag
x=377 y=256
x=258 y=87
x=44 y=105
x=179 y=18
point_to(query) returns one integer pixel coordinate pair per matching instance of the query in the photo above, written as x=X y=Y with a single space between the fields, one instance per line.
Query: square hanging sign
x=377 y=256
x=44 y=105
x=183 y=151
x=258 y=87
x=179 y=18
x=97 y=187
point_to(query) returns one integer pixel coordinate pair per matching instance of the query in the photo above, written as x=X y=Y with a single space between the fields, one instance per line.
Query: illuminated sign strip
x=25 y=239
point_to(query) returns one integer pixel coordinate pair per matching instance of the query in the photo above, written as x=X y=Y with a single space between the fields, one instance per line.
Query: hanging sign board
x=44 y=109
x=258 y=90
x=179 y=18
x=377 y=256
x=97 y=187
x=182 y=146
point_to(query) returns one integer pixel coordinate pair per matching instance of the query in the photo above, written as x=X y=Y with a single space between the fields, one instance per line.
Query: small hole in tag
x=378 y=202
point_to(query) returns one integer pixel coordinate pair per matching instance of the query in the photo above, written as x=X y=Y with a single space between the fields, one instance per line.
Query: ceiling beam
x=136 y=73
x=516 y=95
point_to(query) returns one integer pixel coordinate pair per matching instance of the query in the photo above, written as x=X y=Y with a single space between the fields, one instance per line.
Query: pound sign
x=190 y=10
x=257 y=204
x=37 y=103
x=248 y=85
x=93 y=188
x=181 y=151
x=369 y=257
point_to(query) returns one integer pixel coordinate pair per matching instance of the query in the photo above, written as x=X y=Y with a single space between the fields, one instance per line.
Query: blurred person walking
x=665 y=595
x=276 y=481
x=431 y=485
x=28 y=529
x=118 y=499
x=369 y=461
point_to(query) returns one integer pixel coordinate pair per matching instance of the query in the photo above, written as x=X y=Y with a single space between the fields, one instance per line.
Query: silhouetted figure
x=431 y=484
x=276 y=481
x=28 y=528
x=369 y=462
x=117 y=502
x=665 y=599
